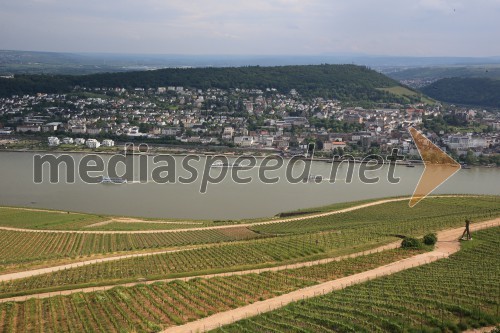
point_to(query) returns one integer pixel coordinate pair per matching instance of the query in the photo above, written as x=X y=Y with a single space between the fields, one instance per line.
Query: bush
x=411 y=243
x=430 y=239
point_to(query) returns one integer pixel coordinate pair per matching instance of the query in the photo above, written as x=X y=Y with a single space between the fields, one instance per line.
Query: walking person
x=466 y=231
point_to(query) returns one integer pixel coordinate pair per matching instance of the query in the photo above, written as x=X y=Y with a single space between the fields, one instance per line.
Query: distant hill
x=436 y=73
x=343 y=82
x=469 y=91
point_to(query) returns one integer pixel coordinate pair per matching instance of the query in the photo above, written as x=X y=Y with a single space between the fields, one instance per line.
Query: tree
x=470 y=158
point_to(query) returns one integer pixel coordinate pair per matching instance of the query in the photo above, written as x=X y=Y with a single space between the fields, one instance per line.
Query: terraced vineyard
x=146 y=308
x=27 y=247
x=368 y=228
x=434 y=211
x=419 y=300
x=446 y=296
x=212 y=259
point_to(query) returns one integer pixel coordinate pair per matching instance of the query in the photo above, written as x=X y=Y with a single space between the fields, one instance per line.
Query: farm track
x=131 y=220
x=448 y=244
x=241 y=225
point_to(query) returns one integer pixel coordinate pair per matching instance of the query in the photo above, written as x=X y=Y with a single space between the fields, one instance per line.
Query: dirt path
x=40 y=271
x=305 y=217
x=40 y=210
x=447 y=244
x=132 y=220
x=480 y=330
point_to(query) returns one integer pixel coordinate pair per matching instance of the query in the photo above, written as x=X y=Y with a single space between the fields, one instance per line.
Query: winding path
x=447 y=244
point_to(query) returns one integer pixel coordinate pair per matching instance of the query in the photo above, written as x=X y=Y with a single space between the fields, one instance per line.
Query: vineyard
x=152 y=307
x=211 y=259
x=442 y=211
x=446 y=296
x=368 y=228
x=31 y=247
x=449 y=295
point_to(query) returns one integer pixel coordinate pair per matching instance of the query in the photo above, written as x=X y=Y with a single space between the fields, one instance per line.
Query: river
x=224 y=201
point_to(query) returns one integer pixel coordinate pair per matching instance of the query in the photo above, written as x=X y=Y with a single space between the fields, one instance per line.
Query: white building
x=108 y=143
x=54 y=141
x=93 y=143
x=79 y=141
x=244 y=141
x=68 y=141
x=228 y=133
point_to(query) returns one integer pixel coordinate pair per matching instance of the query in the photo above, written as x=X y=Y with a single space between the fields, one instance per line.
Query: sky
x=254 y=27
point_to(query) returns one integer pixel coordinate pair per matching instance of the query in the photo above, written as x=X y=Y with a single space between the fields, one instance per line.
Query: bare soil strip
x=447 y=244
x=480 y=330
x=131 y=220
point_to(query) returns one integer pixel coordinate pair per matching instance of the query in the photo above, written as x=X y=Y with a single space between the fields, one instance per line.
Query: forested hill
x=344 y=82
x=469 y=91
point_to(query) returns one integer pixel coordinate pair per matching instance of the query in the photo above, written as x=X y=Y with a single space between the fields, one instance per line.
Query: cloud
x=426 y=27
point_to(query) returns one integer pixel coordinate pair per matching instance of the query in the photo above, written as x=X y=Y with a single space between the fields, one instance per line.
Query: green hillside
x=343 y=82
x=470 y=91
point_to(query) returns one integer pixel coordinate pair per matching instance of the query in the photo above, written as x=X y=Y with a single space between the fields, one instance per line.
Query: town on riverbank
x=240 y=121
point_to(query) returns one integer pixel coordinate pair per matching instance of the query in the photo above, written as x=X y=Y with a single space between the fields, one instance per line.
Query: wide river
x=223 y=201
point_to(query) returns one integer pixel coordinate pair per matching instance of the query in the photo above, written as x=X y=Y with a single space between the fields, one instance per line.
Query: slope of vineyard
x=33 y=248
x=370 y=227
x=148 y=308
x=446 y=296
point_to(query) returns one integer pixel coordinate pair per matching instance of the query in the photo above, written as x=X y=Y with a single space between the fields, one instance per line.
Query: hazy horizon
x=423 y=28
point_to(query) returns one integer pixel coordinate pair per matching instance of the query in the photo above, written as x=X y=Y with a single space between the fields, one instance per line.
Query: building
x=54 y=141
x=79 y=129
x=29 y=128
x=93 y=130
x=79 y=141
x=459 y=142
x=51 y=127
x=93 y=143
x=296 y=121
x=170 y=131
x=244 y=141
x=228 y=133
x=108 y=143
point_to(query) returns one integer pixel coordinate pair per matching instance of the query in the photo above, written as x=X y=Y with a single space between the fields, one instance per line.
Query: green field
x=149 y=308
x=446 y=296
x=410 y=95
x=23 y=218
x=289 y=242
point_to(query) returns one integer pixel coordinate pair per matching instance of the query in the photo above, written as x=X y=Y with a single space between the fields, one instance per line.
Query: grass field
x=20 y=218
x=405 y=92
x=56 y=220
x=446 y=296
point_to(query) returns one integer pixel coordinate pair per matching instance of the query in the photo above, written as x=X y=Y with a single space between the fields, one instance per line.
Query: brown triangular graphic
x=438 y=167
